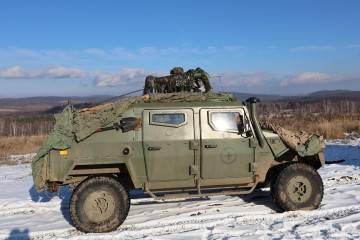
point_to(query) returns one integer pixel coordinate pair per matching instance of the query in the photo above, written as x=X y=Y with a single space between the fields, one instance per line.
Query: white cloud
x=95 y=51
x=27 y=53
x=176 y=50
x=354 y=46
x=135 y=77
x=123 y=53
x=15 y=72
x=316 y=77
x=101 y=78
x=171 y=51
x=234 y=48
x=128 y=76
x=62 y=72
x=147 y=50
x=45 y=72
x=313 y=48
x=125 y=76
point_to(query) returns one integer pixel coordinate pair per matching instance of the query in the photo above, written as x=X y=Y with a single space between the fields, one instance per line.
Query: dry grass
x=330 y=126
x=18 y=146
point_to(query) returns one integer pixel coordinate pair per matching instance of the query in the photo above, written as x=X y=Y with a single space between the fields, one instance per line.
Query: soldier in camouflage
x=194 y=80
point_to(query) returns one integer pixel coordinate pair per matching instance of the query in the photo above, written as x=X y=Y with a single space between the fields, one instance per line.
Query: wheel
x=99 y=204
x=298 y=187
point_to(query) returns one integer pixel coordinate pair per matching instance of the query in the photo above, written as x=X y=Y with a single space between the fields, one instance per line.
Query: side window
x=227 y=121
x=168 y=119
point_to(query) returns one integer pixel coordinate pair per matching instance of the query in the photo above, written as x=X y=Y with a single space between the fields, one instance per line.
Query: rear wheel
x=298 y=187
x=99 y=204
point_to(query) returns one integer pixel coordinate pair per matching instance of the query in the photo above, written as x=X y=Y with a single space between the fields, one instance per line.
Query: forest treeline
x=21 y=134
x=299 y=108
x=333 y=120
x=26 y=125
x=328 y=118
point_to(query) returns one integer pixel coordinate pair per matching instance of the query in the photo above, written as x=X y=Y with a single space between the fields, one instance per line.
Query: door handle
x=154 y=148
x=210 y=146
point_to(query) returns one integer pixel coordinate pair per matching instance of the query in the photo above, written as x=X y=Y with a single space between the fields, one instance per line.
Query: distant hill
x=334 y=96
x=46 y=104
x=330 y=92
x=56 y=104
x=262 y=97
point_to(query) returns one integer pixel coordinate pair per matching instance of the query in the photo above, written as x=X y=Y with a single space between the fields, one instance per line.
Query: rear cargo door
x=225 y=149
x=166 y=142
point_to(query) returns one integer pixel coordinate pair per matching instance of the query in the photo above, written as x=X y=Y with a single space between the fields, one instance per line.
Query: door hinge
x=194 y=169
x=194 y=145
x=253 y=142
x=253 y=167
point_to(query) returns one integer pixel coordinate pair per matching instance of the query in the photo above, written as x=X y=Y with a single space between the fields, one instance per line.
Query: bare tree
x=13 y=128
x=2 y=126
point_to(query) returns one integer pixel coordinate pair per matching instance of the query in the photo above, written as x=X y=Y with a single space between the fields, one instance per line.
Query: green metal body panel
x=178 y=146
x=167 y=147
x=224 y=154
x=275 y=143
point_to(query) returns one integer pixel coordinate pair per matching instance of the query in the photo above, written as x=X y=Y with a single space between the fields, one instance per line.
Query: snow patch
x=25 y=214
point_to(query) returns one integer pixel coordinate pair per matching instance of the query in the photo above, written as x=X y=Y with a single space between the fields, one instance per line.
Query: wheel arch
x=81 y=173
x=291 y=157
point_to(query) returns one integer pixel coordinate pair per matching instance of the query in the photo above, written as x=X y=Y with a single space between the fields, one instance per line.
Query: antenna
x=122 y=95
x=221 y=84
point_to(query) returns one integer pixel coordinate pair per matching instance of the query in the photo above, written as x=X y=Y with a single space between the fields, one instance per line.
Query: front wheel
x=99 y=204
x=298 y=187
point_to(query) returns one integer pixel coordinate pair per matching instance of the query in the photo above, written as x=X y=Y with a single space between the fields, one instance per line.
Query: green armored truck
x=177 y=145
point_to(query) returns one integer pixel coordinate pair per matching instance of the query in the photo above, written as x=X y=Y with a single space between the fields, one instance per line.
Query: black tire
x=298 y=187
x=99 y=204
x=274 y=179
x=272 y=187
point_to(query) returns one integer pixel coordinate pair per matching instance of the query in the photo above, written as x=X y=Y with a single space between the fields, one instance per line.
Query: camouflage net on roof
x=305 y=144
x=72 y=125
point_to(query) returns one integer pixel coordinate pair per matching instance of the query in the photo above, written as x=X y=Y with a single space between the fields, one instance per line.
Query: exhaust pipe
x=258 y=132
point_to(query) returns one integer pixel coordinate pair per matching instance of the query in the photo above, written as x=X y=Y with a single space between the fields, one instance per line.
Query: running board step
x=176 y=195
x=199 y=195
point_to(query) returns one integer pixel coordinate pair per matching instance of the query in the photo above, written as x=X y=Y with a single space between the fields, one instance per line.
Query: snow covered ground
x=25 y=214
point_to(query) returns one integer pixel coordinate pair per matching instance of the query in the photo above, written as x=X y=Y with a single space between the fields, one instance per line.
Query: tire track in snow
x=160 y=227
x=248 y=217
x=30 y=208
x=142 y=230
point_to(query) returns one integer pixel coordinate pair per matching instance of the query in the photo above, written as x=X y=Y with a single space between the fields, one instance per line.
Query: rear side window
x=168 y=119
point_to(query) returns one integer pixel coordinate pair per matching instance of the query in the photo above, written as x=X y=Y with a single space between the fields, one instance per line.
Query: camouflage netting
x=304 y=143
x=77 y=125
x=60 y=138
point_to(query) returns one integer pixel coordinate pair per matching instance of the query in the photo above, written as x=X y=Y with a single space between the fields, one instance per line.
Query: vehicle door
x=225 y=144
x=166 y=142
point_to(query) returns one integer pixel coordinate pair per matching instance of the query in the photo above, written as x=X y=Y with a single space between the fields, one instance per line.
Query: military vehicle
x=178 y=145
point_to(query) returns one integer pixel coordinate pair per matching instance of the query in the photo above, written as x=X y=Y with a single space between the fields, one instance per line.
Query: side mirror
x=241 y=128
x=130 y=123
x=249 y=133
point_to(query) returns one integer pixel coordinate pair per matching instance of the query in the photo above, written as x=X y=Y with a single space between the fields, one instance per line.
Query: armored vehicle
x=177 y=145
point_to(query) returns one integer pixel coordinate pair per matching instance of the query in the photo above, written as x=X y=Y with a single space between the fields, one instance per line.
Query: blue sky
x=69 y=48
